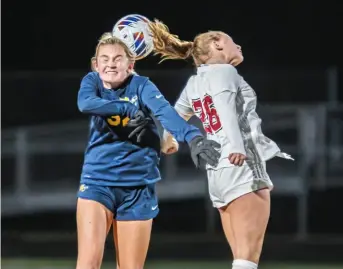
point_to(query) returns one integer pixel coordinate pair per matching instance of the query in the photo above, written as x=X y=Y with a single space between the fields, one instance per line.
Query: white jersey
x=226 y=105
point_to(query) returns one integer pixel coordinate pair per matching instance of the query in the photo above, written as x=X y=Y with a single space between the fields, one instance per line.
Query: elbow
x=82 y=106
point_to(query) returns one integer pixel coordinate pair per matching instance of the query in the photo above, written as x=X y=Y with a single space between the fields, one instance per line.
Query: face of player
x=227 y=51
x=113 y=65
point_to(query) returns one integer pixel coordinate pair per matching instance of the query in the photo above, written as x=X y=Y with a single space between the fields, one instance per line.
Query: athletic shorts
x=126 y=203
x=229 y=183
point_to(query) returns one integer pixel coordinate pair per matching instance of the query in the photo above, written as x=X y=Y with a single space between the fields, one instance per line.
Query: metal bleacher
x=41 y=164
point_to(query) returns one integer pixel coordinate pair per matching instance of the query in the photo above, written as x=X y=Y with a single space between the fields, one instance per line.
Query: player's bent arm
x=167 y=115
x=183 y=107
x=224 y=86
x=186 y=117
x=225 y=104
x=89 y=102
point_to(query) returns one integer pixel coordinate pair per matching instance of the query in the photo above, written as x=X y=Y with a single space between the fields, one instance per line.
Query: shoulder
x=143 y=83
x=226 y=71
x=91 y=78
x=142 y=86
x=139 y=83
x=92 y=75
x=190 y=81
x=139 y=80
x=188 y=88
x=224 y=77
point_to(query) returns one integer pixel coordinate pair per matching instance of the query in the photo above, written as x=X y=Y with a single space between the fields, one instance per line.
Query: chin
x=241 y=59
x=238 y=60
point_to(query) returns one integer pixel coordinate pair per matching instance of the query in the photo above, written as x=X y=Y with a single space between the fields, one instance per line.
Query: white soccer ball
x=135 y=32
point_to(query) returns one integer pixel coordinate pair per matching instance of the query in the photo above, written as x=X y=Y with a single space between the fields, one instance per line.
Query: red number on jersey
x=207 y=113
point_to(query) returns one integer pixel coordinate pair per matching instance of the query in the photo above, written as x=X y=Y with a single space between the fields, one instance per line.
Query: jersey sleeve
x=182 y=105
x=155 y=102
x=89 y=102
x=224 y=86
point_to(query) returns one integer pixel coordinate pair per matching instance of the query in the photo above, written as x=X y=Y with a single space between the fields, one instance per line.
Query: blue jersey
x=111 y=159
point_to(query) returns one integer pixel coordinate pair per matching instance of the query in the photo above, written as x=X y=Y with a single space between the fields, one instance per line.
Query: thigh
x=137 y=206
x=132 y=240
x=249 y=215
x=93 y=223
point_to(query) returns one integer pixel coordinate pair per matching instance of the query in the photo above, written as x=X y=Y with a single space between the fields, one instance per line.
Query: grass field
x=60 y=264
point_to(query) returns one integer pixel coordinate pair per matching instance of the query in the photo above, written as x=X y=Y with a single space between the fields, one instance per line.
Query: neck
x=216 y=61
x=108 y=85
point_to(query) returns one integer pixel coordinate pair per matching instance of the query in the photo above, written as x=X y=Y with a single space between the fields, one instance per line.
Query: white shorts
x=229 y=183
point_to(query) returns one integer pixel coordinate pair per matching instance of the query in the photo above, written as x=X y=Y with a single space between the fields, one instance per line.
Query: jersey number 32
x=205 y=110
x=117 y=120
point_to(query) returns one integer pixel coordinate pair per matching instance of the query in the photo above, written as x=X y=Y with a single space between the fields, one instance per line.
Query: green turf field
x=59 y=264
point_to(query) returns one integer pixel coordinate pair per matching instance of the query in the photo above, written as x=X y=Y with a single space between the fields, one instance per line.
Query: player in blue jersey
x=121 y=159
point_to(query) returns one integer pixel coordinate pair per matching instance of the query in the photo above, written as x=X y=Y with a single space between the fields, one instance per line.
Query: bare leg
x=245 y=221
x=132 y=240
x=93 y=224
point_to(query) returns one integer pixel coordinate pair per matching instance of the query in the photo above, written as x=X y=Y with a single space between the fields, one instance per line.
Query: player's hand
x=170 y=148
x=139 y=122
x=169 y=144
x=237 y=159
x=204 y=150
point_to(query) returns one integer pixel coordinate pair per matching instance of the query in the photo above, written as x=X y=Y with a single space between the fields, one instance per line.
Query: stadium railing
x=41 y=164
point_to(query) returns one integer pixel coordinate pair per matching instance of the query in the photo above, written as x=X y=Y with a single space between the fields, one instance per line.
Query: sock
x=243 y=264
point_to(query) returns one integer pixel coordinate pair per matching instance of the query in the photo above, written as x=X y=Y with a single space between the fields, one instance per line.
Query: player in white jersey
x=239 y=186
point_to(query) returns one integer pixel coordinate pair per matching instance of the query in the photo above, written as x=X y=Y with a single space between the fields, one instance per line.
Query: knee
x=88 y=263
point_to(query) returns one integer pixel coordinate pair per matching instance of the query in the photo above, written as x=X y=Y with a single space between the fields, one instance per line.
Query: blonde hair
x=170 y=47
x=109 y=39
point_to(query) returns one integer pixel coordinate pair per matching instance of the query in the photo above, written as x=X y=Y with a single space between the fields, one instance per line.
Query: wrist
x=238 y=151
x=191 y=137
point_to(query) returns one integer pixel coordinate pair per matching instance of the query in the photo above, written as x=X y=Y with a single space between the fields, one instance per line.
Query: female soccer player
x=120 y=171
x=239 y=186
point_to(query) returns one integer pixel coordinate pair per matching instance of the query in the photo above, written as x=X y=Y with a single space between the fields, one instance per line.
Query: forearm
x=167 y=137
x=225 y=105
x=97 y=106
x=177 y=126
x=90 y=101
x=183 y=115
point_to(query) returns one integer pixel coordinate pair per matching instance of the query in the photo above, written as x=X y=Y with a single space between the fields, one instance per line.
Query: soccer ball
x=135 y=32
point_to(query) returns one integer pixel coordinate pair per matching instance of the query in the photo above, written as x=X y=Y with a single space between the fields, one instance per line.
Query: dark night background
x=289 y=46
x=50 y=36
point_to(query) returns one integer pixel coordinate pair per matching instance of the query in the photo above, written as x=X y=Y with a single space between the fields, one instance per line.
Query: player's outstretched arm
x=166 y=114
x=225 y=103
x=200 y=147
x=89 y=102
